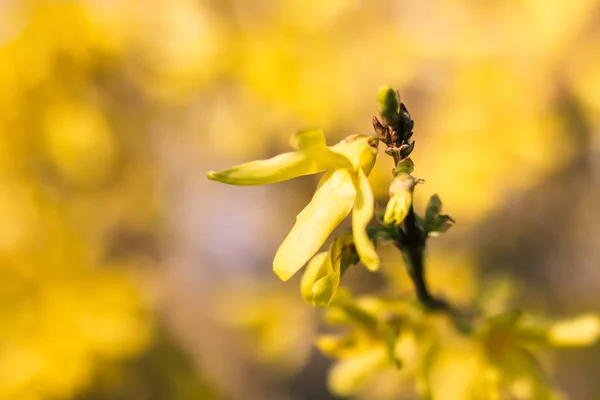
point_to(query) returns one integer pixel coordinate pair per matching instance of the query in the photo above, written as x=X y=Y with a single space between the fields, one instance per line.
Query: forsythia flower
x=343 y=188
x=401 y=195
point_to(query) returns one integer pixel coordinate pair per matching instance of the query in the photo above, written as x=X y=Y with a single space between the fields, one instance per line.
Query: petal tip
x=282 y=269
x=212 y=176
x=372 y=265
x=283 y=274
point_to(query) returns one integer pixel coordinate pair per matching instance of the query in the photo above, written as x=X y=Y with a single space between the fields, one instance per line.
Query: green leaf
x=408 y=150
x=439 y=225
x=405 y=166
x=436 y=223
x=434 y=207
x=383 y=233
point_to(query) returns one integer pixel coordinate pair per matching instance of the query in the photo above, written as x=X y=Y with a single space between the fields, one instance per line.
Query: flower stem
x=396 y=133
x=411 y=243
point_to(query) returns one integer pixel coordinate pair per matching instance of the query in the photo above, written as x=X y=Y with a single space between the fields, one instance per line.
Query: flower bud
x=401 y=196
x=388 y=103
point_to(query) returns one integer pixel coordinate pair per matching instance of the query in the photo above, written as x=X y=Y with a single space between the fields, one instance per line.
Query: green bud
x=388 y=103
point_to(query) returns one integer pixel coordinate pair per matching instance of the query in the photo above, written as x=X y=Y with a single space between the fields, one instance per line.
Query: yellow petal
x=324 y=289
x=361 y=150
x=580 y=331
x=337 y=346
x=361 y=216
x=401 y=197
x=347 y=311
x=312 y=143
x=330 y=204
x=261 y=172
x=321 y=278
x=349 y=375
x=314 y=271
x=522 y=375
x=455 y=371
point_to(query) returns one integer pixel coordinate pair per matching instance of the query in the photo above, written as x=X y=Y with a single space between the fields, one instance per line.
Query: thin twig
x=412 y=245
x=411 y=240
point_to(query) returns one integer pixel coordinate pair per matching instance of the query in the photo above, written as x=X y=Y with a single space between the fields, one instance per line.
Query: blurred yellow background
x=125 y=274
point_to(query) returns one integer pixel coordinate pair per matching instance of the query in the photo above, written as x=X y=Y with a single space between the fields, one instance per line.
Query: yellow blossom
x=401 y=196
x=343 y=188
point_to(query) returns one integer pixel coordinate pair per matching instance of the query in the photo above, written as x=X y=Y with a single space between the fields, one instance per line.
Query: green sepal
x=405 y=152
x=405 y=166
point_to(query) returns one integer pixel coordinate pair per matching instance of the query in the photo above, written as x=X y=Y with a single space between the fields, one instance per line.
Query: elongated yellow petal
x=312 y=143
x=262 y=172
x=330 y=204
x=583 y=330
x=361 y=216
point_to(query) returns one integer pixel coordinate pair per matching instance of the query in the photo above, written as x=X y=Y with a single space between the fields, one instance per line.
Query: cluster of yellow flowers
x=490 y=354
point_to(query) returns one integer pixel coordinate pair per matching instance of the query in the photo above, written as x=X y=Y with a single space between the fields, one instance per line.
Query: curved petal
x=324 y=289
x=361 y=150
x=262 y=172
x=315 y=270
x=323 y=273
x=350 y=374
x=401 y=196
x=361 y=216
x=312 y=143
x=330 y=204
